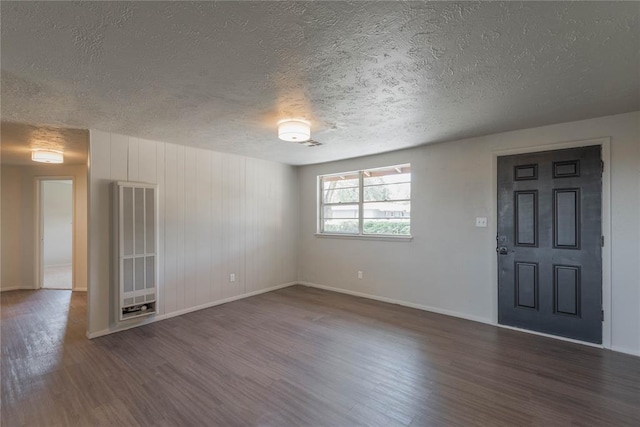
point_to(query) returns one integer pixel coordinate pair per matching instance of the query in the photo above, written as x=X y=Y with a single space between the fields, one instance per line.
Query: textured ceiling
x=18 y=140
x=370 y=76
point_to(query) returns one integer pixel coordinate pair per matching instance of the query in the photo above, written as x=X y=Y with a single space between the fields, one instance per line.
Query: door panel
x=526 y=206
x=549 y=242
x=527 y=285
x=566 y=217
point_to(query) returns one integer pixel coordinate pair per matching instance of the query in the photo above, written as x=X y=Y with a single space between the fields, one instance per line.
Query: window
x=367 y=202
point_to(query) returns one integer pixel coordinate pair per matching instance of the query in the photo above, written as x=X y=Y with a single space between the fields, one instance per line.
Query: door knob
x=502 y=250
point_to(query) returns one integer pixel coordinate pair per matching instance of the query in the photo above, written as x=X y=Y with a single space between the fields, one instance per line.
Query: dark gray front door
x=549 y=242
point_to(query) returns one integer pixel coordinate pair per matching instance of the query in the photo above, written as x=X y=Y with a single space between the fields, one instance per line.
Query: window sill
x=387 y=238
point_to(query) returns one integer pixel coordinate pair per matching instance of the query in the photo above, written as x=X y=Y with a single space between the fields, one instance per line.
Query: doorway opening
x=56 y=233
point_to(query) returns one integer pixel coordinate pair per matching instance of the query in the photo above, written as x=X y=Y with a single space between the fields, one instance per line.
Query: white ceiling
x=370 y=76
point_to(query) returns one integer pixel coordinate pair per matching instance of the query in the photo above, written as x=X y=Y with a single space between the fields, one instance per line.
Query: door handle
x=502 y=250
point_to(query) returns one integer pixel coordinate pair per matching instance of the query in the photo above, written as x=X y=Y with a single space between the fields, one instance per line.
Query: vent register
x=135 y=247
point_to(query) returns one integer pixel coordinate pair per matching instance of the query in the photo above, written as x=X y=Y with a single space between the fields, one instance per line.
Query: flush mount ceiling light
x=294 y=130
x=47 y=156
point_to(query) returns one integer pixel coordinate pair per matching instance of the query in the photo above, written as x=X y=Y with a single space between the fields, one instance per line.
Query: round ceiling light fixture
x=294 y=130
x=47 y=156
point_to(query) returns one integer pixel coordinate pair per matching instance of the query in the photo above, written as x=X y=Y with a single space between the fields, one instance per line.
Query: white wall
x=450 y=264
x=19 y=219
x=218 y=214
x=57 y=203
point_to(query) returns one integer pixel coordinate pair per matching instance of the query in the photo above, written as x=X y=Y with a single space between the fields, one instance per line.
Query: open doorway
x=56 y=233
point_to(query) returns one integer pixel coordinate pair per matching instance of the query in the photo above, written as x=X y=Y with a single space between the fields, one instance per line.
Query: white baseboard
x=160 y=317
x=59 y=265
x=625 y=350
x=460 y=315
x=555 y=337
x=400 y=302
x=17 y=288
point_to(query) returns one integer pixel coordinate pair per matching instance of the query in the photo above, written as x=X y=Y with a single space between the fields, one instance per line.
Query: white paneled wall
x=218 y=214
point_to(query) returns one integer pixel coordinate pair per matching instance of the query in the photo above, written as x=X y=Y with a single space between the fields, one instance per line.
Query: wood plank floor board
x=300 y=357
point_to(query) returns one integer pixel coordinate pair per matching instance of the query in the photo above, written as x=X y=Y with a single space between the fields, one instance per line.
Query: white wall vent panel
x=135 y=243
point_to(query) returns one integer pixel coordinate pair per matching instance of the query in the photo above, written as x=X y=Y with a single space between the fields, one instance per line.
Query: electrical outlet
x=481 y=221
x=232 y=277
x=359 y=274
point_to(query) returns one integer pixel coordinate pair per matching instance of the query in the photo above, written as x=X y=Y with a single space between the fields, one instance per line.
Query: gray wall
x=449 y=266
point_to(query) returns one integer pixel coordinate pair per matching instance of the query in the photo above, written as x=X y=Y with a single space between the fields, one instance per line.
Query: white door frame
x=605 y=143
x=39 y=227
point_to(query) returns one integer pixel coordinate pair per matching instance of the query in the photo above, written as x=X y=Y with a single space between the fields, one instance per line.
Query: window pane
x=329 y=183
x=341 y=195
x=387 y=210
x=341 y=211
x=390 y=175
x=400 y=226
x=387 y=192
x=384 y=202
x=344 y=180
x=341 y=226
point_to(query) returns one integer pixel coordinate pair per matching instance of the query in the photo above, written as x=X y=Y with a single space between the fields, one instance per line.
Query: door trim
x=605 y=143
x=39 y=227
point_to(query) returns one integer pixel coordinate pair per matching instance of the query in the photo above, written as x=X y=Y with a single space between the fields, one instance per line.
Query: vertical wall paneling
x=229 y=171
x=282 y=224
x=217 y=272
x=180 y=229
x=147 y=161
x=134 y=159
x=171 y=227
x=98 y=229
x=250 y=213
x=203 y=221
x=119 y=152
x=241 y=192
x=217 y=214
x=262 y=196
x=191 y=227
x=232 y=219
x=224 y=230
x=160 y=164
x=274 y=218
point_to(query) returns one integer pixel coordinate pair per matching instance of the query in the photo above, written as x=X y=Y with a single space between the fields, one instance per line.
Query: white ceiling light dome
x=294 y=130
x=47 y=156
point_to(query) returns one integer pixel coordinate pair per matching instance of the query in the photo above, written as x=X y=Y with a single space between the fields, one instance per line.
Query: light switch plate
x=481 y=221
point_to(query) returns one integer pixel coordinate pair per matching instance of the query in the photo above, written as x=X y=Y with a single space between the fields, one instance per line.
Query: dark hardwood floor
x=300 y=356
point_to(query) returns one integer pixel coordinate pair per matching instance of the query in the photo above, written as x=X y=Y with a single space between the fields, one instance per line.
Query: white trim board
x=459 y=315
x=157 y=318
x=605 y=143
x=555 y=337
x=17 y=288
x=402 y=303
x=625 y=351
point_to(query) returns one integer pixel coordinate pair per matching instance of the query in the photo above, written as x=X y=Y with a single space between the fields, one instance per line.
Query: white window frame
x=360 y=203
